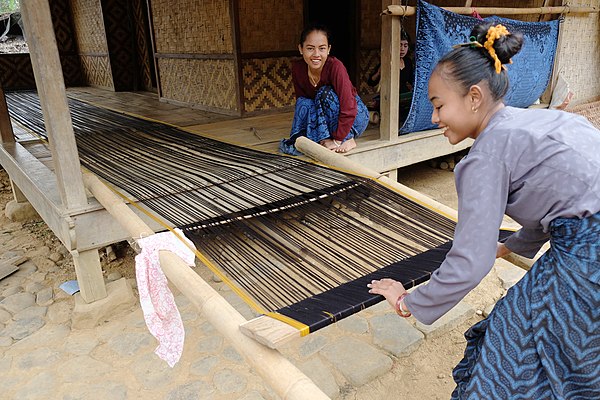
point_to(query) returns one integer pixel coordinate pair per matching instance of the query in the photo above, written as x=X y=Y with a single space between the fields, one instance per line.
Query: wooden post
x=389 y=82
x=283 y=377
x=343 y=163
x=6 y=131
x=59 y=127
x=51 y=90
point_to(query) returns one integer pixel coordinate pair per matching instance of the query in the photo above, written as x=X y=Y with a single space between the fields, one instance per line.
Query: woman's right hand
x=388 y=288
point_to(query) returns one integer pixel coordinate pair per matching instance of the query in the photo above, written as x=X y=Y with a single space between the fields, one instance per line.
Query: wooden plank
x=269 y=331
x=89 y=275
x=7 y=269
x=10 y=266
x=6 y=131
x=390 y=75
x=51 y=89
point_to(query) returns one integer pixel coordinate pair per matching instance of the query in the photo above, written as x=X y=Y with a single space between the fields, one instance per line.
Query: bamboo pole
x=405 y=11
x=283 y=377
x=337 y=160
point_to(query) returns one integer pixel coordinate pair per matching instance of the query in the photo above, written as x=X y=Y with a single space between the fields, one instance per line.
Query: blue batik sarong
x=542 y=341
x=317 y=119
x=438 y=30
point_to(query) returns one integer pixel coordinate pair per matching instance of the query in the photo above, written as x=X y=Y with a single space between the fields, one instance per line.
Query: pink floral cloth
x=160 y=311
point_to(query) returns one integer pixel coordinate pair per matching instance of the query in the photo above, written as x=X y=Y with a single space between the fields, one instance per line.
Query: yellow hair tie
x=495 y=32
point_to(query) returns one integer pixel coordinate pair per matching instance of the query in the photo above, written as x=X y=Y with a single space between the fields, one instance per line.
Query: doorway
x=341 y=18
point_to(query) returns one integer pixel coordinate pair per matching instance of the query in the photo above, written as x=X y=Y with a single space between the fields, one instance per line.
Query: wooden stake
x=283 y=377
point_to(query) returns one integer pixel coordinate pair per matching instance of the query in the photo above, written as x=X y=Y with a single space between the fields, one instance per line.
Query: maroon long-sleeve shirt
x=334 y=74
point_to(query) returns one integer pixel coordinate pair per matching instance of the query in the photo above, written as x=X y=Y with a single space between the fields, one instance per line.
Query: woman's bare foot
x=330 y=144
x=346 y=146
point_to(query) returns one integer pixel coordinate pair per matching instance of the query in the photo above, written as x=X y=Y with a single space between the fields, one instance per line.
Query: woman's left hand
x=388 y=288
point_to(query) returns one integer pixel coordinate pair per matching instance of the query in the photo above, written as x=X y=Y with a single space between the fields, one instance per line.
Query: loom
x=298 y=241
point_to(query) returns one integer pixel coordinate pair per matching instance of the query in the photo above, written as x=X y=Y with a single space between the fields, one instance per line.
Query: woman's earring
x=473 y=109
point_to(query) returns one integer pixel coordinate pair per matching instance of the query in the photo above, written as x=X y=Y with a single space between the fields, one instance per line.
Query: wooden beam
x=283 y=377
x=389 y=81
x=51 y=90
x=6 y=131
x=402 y=11
x=337 y=160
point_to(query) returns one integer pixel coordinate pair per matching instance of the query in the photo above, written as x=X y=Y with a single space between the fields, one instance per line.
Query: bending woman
x=542 y=168
x=328 y=110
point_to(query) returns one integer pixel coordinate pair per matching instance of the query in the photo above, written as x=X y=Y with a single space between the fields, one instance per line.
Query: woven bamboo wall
x=16 y=71
x=91 y=41
x=270 y=25
x=194 y=46
x=142 y=46
x=579 y=53
x=267 y=84
x=267 y=29
x=207 y=84
x=192 y=27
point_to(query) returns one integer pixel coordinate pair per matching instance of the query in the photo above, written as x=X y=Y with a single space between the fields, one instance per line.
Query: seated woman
x=328 y=110
x=407 y=76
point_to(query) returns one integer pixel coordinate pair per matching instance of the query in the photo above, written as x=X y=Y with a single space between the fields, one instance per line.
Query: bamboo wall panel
x=121 y=50
x=91 y=42
x=62 y=22
x=270 y=25
x=192 y=27
x=369 y=59
x=267 y=84
x=142 y=45
x=579 y=53
x=16 y=71
x=96 y=71
x=207 y=83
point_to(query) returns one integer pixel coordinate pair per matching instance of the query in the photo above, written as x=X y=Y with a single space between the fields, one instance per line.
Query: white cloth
x=158 y=305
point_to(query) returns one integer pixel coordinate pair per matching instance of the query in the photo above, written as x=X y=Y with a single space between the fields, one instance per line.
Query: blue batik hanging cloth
x=438 y=30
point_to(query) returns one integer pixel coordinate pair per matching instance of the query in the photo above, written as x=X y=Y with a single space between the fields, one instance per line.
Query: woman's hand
x=502 y=250
x=388 y=288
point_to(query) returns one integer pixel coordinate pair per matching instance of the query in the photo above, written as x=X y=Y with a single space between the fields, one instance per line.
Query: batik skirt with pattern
x=542 y=341
x=317 y=119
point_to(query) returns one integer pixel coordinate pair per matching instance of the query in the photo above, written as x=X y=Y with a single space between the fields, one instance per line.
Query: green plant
x=9 y=6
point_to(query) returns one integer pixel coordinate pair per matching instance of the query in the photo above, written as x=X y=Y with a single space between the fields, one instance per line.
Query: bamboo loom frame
x=273 y=333
x=405 y=11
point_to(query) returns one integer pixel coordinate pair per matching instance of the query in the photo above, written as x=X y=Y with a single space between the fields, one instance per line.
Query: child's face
x=403 y=48
x=315 y=49
x=451 y=109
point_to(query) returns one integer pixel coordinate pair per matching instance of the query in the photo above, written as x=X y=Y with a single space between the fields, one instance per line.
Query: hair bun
x=506 y=46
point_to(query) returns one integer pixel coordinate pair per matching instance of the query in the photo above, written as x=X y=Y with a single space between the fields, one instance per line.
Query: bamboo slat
x=336 y=160
x=404 y=11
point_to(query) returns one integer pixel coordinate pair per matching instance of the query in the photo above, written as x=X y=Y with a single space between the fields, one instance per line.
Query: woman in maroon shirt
x=328 y=110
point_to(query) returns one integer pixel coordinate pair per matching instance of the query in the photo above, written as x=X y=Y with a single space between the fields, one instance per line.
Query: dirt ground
x=425 y=374
x=13 y=44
